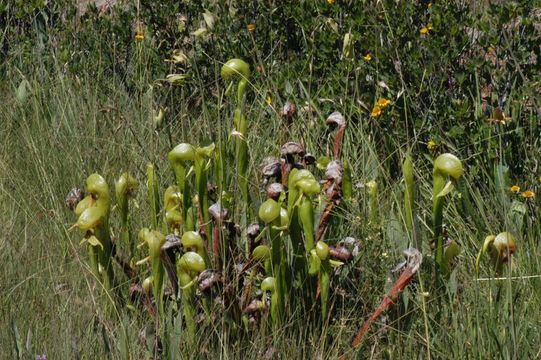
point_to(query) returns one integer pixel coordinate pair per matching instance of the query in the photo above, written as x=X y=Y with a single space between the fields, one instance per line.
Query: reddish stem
x=386 y=303
x=338 y=141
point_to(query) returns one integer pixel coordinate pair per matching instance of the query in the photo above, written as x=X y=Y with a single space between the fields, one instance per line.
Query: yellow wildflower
x=382 y=102
x=250 y=27
x=528 y=194
x=139 y=36
x=376 y=111
x=367 y=57
x=431 y=145
x=514 y=189
x=424 y=30
x=429 y=5
x=269 y=100
x=330 y=2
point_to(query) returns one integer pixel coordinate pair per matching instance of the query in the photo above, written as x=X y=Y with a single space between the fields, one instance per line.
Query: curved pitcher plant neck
x=447 y=171
x=237 y=68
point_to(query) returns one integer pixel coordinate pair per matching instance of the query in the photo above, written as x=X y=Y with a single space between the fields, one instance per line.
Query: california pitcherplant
x=153 y=195
x=237 y=68
x=373 y=198
x=180 y=159
x=93 y=212
x=189 y=266
x=172 y=202
x=154 y=240
x=269 y=212
x=500 y=248
x=320 y=265
x=125 y=189
x=447 y=170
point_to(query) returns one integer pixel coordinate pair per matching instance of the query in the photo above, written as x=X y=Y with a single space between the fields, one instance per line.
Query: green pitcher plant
x=269 y=213
x=189 y=266
x=500 y=249
x=180 y=159
x=447 y=170
x=154 y=240
x=172 y=202
x=239 y=69
x=125 y=189
x=153 y=195
x=268 y=285
x=93 y=219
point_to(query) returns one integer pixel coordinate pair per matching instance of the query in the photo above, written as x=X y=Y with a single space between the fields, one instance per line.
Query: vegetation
x=244 y=177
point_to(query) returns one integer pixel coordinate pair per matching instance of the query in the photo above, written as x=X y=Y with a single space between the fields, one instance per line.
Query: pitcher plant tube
x=189 y=266
x=500 y=249
x=153 y=195
x=269 y=213
x=93 y=212
x=154 y=240
x=125 y=189
x=180 y=158
x=239 y=69
x=447 y=171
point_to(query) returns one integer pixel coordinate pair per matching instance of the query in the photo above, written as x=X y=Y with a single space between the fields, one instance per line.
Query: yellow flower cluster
x=139 y=36
x=382 y=103
x=528 y=194
x=250 y=27
x=367 y=57
x=431 y=145
x=426 y=29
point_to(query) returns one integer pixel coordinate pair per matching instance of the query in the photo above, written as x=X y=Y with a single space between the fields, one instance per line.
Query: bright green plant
x=263 y=253
x=237 y=68
x=305 y=186
x=450 y=252
x=153 y=195
x=269 y=212
x=373 y=198
x=125 y=189
x=320 y=265
x=201 y=164
x=192 y=241
x=268 y=285
x=500 y=248
x=93 y=212
x=180 y=159
x=154 y=240
x=172 y=202
x=447 y=170
x=189 y=266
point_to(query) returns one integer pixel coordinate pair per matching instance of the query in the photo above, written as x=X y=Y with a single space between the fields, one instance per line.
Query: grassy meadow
x=81 y=93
